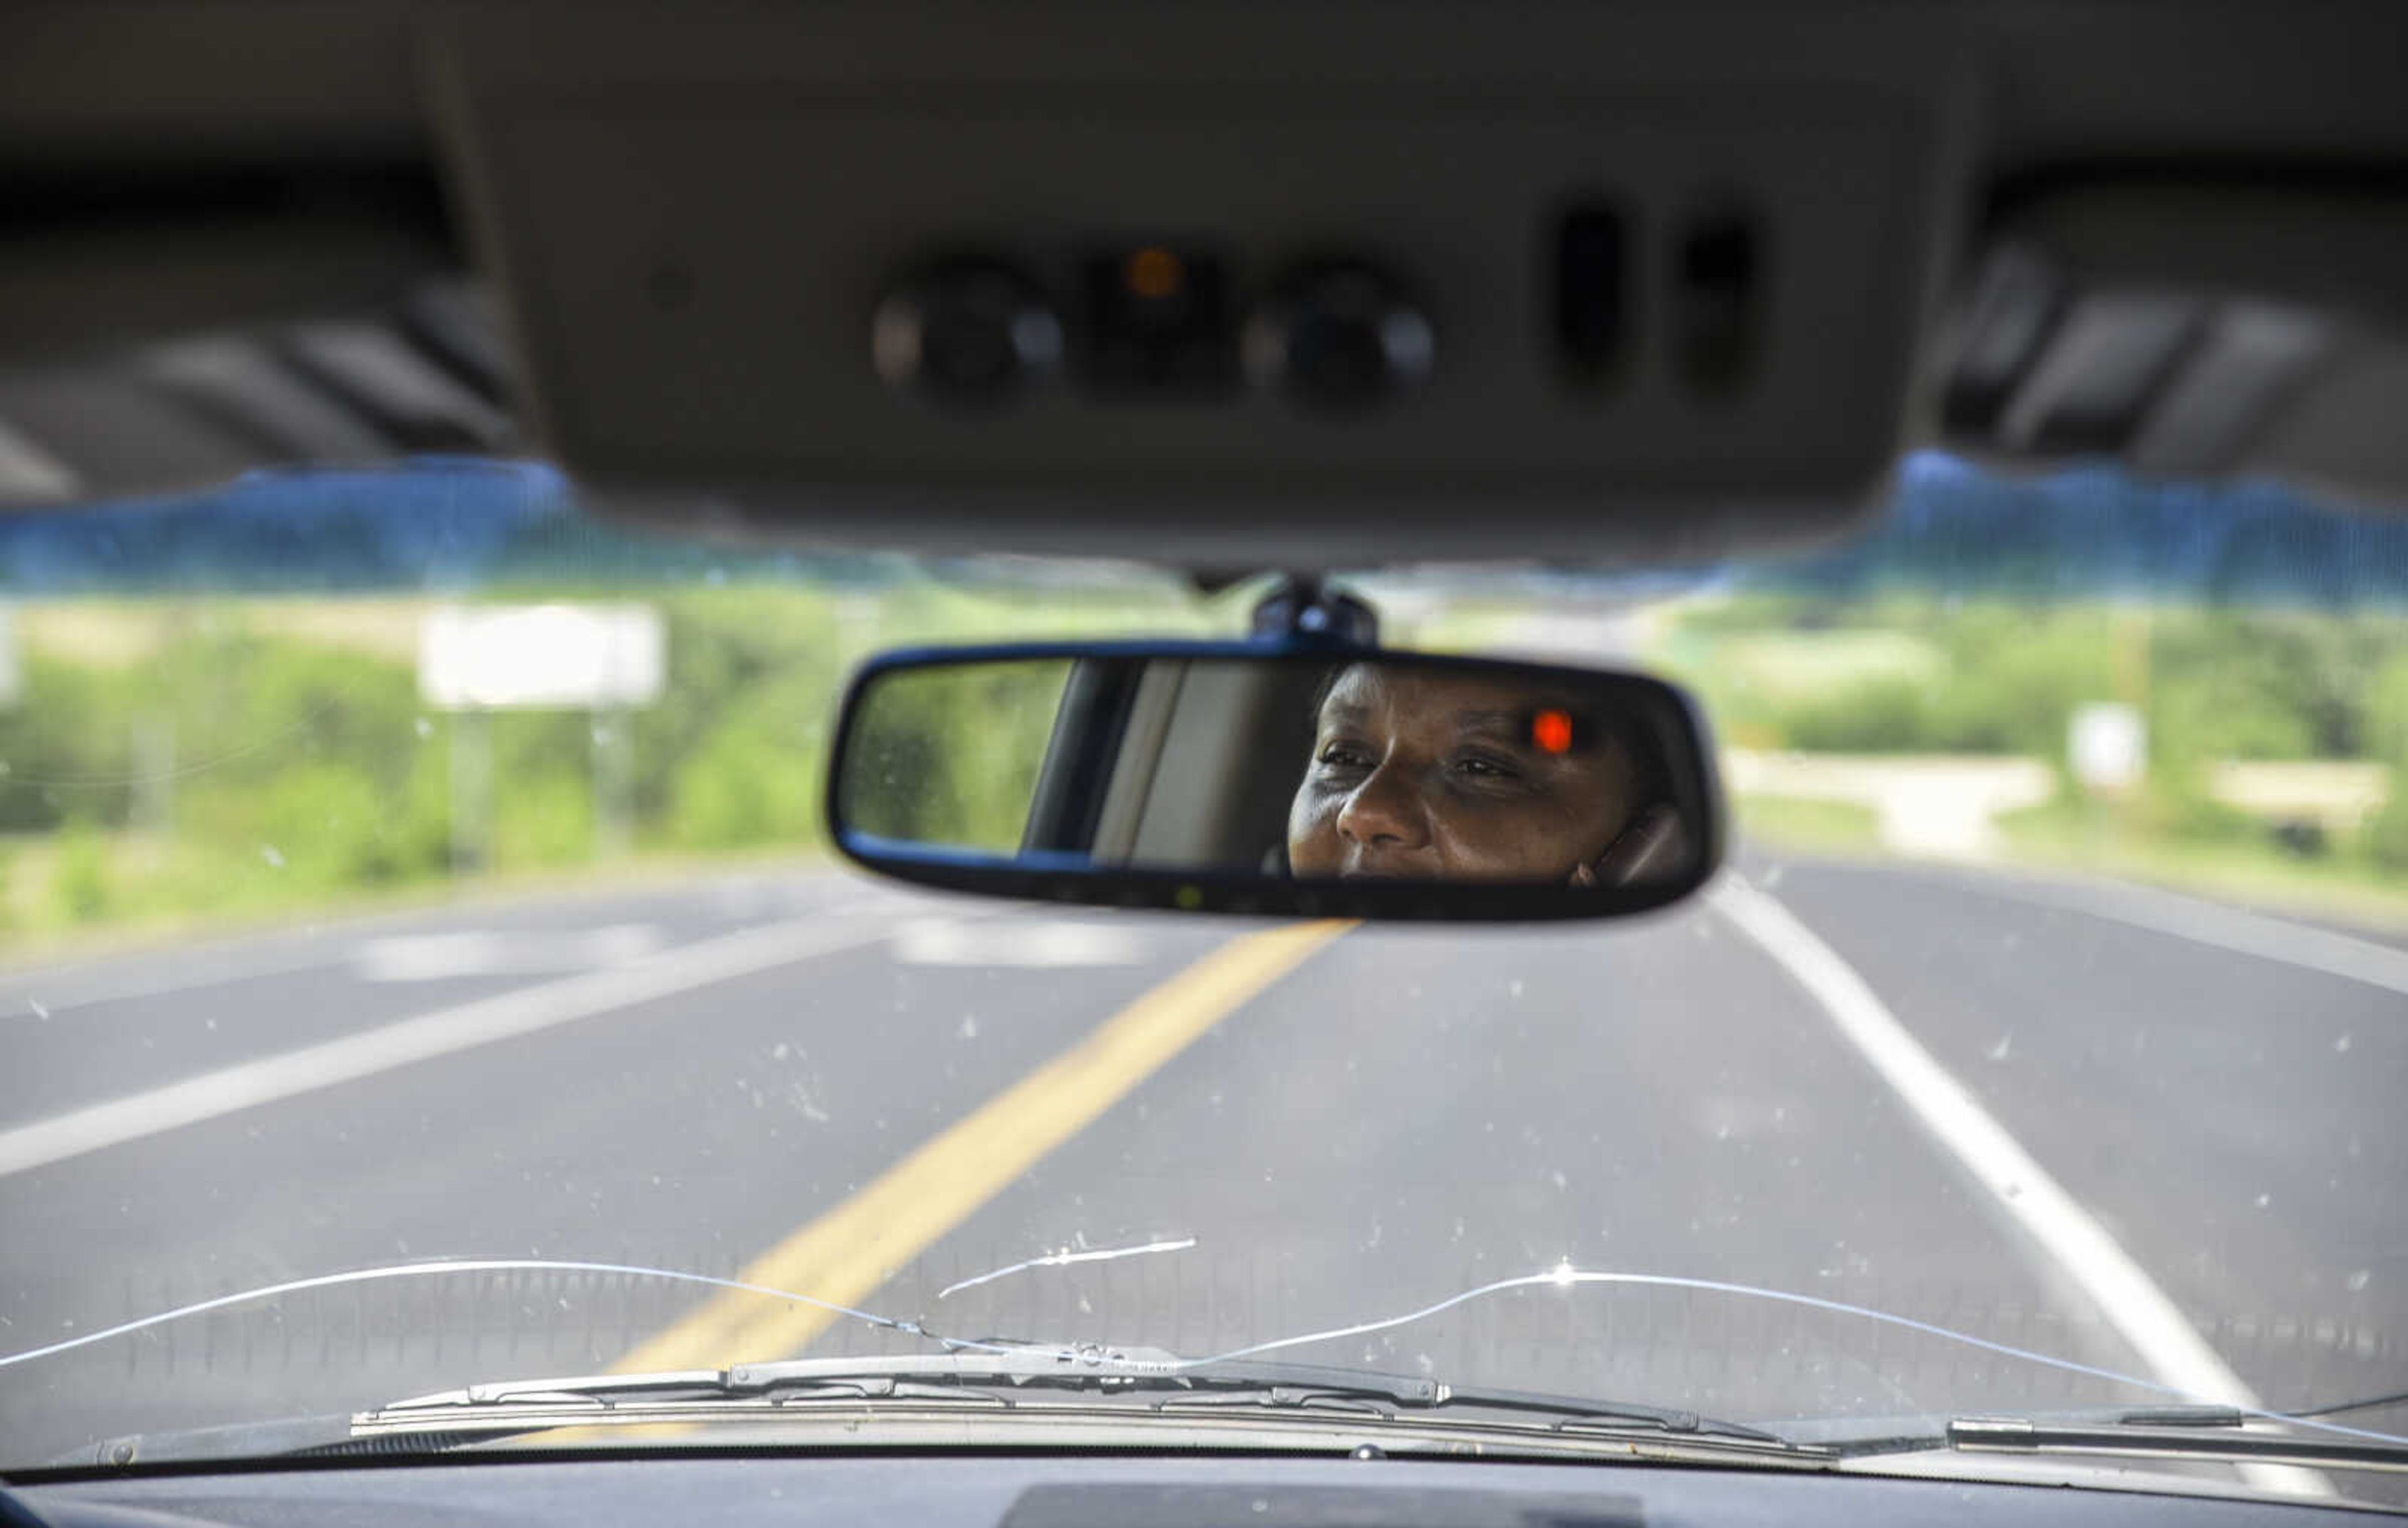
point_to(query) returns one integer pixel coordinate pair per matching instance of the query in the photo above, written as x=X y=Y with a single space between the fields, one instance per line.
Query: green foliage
x=305 y=767
x=2386 y=834
x=2014 y=680
x=543 y=820
x=731 y=756
x=1871 y=716
x=1792 y=824
x=323 y=822
x=80 y=885
x=2387 y=711
x=1896 y=676
x=2386 y=737
x=2213 y=684
x=67 y=745
x=747 y=783
x=320 y=824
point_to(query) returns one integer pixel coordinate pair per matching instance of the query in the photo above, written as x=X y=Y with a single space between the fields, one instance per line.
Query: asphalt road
x=694 y=1078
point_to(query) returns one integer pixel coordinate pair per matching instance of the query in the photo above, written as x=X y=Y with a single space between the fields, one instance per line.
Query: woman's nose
x=1383 y=810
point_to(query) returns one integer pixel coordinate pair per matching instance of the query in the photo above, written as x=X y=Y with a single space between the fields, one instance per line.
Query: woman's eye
x=1344 y=756
x=1478 y=768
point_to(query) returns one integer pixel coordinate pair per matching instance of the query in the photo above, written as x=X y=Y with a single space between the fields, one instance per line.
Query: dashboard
x=953 y=1491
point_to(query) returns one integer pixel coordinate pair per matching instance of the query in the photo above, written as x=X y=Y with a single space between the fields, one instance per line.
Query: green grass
x=1788 y=823
x=36 y=923
x=2340 y=883
x=1805 y=665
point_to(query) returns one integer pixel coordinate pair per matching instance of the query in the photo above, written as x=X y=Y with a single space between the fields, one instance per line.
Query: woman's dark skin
x=1434 y=775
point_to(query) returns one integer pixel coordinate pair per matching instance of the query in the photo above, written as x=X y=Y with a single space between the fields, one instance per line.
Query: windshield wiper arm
x=2364 y=1402
x=2204 y=1415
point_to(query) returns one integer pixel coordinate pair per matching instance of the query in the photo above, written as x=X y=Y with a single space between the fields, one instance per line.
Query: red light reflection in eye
x=1551 y=730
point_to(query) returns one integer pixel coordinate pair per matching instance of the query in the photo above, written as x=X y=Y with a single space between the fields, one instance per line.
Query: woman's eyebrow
x=1344 y=711
x=1507 y=723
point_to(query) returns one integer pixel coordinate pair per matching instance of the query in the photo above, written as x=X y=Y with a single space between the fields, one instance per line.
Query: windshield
x=407 y=875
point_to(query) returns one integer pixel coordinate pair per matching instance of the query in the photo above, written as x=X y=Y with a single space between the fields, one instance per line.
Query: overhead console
x=1345 y=283
x=1317 y=282
x=2192 y=325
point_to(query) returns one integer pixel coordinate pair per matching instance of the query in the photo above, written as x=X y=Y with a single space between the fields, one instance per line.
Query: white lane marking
x=2225 y=927
x=443 y=1033
x=490 y=952
x=951 y=942
x=2140 y=1311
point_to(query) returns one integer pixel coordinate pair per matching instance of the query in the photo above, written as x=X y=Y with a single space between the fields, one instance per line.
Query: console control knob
x=968 y=333
x=1339 y=337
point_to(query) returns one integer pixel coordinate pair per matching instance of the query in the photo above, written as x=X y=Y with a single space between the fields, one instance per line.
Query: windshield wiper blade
x=951 y=1373
x=1299 y=1383
x=991 y=1376
x=1283 y=1384
x=2189 y=1432
x=1246 y=1382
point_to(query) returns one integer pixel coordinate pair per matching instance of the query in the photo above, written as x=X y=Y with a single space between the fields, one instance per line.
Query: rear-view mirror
x=1258 y=779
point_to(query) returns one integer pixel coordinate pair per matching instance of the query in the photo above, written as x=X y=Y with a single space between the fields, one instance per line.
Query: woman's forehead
x=1434 y=693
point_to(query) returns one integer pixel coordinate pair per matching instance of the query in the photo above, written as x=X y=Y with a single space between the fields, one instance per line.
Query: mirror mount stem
x=1302 y=610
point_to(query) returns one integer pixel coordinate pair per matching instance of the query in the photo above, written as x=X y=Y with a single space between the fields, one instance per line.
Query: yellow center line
x=852 y=1249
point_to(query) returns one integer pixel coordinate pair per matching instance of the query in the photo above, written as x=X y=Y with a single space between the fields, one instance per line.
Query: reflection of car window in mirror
x=948 y=756
x=1443 y=774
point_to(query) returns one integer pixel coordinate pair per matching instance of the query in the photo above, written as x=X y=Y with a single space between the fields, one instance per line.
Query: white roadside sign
x=2107 y=743
x=546 y=657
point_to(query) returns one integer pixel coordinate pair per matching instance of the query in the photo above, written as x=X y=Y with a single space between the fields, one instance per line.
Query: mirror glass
x=1242 y=773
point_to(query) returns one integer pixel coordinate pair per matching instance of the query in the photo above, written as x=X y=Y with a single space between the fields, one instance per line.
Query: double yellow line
x=848 y=1252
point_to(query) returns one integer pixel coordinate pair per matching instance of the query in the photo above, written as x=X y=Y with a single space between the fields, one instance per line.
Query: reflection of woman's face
x=1438 y=777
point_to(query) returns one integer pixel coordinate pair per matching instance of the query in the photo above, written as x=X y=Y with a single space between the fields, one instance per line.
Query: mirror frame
x=1070 y=879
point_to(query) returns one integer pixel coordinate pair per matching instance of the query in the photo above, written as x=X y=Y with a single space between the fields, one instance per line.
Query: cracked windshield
x=425 y=964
